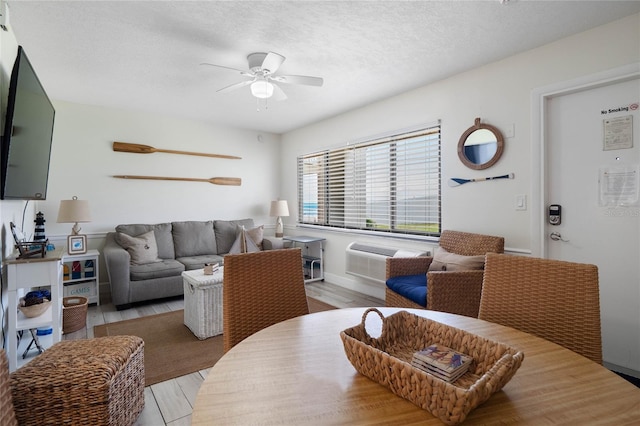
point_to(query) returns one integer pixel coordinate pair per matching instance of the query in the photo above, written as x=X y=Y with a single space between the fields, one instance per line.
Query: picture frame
x=77 y=244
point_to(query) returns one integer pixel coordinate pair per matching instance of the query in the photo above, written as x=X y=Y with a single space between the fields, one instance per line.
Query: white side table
x=85 y=281
x=203 y=302
x=24 y=274
x=312 y=256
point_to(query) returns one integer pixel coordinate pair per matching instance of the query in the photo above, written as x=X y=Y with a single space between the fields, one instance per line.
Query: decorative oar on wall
x=146 y=149
x=214 y=180
x=460 y=181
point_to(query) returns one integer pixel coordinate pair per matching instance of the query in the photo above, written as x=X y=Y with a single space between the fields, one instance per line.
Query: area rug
x=170 y=348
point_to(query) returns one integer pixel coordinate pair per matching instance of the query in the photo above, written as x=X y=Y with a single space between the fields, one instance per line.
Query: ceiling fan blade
x=272 y=62
x=242 y=72
x=278 y=93
x=235 y=86
x=222 y=66
x=299 y=79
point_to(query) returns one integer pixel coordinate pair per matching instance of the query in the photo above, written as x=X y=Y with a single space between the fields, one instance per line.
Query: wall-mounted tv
x=28 y=133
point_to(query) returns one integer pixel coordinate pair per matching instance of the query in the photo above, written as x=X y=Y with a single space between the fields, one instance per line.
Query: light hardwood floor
x=170 y=403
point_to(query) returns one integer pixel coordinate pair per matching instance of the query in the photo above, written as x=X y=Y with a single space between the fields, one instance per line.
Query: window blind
x=390 y=184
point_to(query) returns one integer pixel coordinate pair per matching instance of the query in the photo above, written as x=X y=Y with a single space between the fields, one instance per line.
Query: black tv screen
x=28 y=133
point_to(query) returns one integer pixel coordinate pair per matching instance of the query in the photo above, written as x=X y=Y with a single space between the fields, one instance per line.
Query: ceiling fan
x=262 y=79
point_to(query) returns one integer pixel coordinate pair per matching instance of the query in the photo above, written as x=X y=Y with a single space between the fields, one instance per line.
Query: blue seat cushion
x=413 y=287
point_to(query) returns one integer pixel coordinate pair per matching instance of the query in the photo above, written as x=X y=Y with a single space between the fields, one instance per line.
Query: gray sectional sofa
x=139 y=272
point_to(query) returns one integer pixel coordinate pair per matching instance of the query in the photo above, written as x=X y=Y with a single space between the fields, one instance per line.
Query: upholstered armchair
x=449 y=281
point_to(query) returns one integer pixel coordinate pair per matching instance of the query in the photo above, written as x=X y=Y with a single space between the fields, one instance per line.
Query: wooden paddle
x=459 y=181
x=215 y=180
x=146 y=149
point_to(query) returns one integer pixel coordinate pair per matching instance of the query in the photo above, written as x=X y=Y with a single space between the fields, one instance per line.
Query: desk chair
x=259 y=290
x=556 y=300
x=456 y=292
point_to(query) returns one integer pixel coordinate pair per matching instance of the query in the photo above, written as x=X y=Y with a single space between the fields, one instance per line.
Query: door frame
x=540 y=98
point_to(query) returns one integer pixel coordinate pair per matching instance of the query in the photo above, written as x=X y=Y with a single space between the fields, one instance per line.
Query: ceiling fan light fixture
x=262 y=89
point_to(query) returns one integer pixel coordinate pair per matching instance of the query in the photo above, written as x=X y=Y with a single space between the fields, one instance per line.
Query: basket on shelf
x=74 y=313
x=387 y=360
x=33 y=311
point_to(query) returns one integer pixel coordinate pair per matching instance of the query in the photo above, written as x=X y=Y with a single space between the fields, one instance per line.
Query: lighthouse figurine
x=39 y=236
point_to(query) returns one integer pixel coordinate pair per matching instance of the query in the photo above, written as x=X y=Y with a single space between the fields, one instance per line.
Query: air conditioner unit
x=369 y=261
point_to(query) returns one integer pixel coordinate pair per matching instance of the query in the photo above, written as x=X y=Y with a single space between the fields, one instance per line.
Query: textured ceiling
x=145 y=55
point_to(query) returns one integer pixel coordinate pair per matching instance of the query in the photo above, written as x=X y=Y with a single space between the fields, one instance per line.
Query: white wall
x=83 y=163
x=500 y=94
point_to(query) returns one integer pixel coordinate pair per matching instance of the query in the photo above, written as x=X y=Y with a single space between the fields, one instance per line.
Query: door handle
x=555 y=236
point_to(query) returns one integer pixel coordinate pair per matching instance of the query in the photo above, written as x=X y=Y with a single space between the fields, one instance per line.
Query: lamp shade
x=279 y=208
x=74 y=211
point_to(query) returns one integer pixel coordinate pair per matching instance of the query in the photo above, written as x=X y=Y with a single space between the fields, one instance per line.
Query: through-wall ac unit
x=369 y=260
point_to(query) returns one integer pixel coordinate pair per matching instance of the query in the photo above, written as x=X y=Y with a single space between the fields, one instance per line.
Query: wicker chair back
x=556 y=300
x=259 y=290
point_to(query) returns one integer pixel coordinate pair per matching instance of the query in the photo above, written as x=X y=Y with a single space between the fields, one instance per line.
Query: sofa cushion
x=193 y=238
x=162 y=269
x=142 y=248
x=413 y=287
x=226 y=232
x=197 y=262
x=162 y=232
x=446 y=261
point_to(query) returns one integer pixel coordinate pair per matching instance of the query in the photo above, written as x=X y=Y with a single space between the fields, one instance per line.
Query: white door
x=578 y=126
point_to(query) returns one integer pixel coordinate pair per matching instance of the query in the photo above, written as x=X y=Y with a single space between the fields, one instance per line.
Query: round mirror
x=480 y=146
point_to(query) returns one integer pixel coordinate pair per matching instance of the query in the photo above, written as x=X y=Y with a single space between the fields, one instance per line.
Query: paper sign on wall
x=619 y=185
x=618 y=133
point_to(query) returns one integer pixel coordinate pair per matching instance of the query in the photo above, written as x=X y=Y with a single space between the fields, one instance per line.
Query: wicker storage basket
x=387 y=360
x=74 y=313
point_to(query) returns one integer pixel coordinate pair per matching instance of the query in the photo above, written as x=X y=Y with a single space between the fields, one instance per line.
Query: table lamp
x=279 y=208
x=74 y=211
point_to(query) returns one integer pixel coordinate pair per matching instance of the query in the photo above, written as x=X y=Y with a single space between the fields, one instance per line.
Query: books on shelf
x=442 y=362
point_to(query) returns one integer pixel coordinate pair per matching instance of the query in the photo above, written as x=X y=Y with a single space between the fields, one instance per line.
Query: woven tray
x=33 y=311
x=387 y=360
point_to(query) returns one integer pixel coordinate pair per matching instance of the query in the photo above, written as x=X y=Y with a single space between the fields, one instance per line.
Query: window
x=390 y=184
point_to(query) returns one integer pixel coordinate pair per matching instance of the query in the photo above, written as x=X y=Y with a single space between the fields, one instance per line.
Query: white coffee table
x=203 y=302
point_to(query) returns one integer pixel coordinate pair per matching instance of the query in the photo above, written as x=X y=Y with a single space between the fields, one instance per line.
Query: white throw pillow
x=142 y=249
x=446 y=261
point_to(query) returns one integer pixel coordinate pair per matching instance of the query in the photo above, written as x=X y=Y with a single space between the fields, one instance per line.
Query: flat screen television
x=27 y=138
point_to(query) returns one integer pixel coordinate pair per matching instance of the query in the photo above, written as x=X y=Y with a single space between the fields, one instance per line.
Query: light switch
x=521 y=202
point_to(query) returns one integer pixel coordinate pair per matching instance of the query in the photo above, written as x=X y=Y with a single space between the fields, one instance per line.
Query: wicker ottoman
x=203 y=302
x=82 y=382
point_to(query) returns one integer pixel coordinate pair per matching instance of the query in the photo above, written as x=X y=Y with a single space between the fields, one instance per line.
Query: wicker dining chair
x=457 y=292
x=259 y=290
x=7 y=412
x=556 y=300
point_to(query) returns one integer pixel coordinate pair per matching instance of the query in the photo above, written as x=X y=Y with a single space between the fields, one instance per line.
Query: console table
x=312 y=256
x=24 y=274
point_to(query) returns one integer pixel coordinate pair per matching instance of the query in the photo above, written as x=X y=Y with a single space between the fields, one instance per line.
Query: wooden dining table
x=296 y=372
